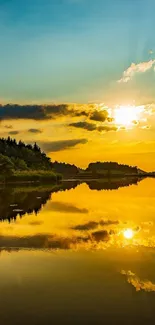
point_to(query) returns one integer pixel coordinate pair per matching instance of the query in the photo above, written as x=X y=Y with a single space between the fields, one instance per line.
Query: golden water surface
x=78 y=253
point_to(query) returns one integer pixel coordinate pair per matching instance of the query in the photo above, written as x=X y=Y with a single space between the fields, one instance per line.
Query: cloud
x=14 y=132
x=136 y=68
x=101 y=235
x=87 y=226
x=46 y=112
x=144 y=285
x=66 y=207
x=40 y=112
x=93 y=224
x=107 y=128
x=93 y=127
x=35 y=131
x=55 y=146
x=84 y=125
x=100 y=116
x=35 y=112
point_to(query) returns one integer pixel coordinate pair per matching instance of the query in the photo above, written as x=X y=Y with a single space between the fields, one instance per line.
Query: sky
x=74 y=58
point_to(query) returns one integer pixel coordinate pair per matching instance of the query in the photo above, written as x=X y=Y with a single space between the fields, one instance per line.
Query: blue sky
x=80 y=51
x=73 y=50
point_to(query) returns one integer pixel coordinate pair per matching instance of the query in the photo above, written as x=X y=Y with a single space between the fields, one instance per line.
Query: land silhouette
x=20 y=162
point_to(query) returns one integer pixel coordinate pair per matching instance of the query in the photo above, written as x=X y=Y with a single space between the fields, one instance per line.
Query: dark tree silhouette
x=6 y=166
x=24 y=156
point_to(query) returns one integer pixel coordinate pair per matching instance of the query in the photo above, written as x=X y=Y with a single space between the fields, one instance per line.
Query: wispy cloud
x=59 y=145
x=134 y=68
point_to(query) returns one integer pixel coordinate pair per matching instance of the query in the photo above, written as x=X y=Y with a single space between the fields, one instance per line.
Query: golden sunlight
x=127 y=115
x=128 y=233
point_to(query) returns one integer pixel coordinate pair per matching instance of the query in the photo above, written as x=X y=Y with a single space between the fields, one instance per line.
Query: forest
x=20 y=161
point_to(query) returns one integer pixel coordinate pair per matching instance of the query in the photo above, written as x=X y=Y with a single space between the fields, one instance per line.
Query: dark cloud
x=39 y=112
x=54 y=146
x=93 y=224
x=14 y=132
x=46 y=112
x=84 y=125
x=66 y=207
x=35 y=131
x=77 y=113
x=100 y=116
x=107 y=128
x=101 y=235
x=92 y=126
x=35 y=112
x=87 y=226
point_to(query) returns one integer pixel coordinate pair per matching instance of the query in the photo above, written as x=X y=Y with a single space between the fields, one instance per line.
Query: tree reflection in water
x=30 y=199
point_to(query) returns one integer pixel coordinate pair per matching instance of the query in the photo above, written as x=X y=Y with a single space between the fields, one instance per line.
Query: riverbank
x=31 y=176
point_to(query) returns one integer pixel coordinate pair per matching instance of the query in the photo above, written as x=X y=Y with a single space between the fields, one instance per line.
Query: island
x=99 y=170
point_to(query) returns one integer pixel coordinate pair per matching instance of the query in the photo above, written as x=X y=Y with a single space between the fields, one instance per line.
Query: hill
x=111 y=168
x=97 y=170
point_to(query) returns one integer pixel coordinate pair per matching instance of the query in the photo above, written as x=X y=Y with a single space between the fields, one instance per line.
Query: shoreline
x=73 y=178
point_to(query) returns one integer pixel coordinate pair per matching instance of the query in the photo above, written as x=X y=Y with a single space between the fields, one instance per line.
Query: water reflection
x=73 y=242
x=19 y=201
x=112 y=184
x=72 y=216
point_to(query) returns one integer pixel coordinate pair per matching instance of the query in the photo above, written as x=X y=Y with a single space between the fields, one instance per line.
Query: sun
x=127 y=115
x=128 y=233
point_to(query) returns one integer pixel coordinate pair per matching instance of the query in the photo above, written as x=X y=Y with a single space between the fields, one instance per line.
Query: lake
x=78 y=253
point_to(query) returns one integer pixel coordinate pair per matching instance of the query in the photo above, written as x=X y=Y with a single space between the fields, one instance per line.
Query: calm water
x=65 y=259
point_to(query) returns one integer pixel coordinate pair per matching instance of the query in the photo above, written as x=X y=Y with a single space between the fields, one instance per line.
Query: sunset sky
x=90 y=67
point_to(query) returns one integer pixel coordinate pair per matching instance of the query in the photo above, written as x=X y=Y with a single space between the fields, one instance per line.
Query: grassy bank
x=31 y=176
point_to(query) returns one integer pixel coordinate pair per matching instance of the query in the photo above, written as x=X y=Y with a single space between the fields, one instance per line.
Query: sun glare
x=128 y=233
x=127 y=115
